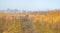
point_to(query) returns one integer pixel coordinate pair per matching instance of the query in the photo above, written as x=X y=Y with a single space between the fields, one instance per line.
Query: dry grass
x=30 y=23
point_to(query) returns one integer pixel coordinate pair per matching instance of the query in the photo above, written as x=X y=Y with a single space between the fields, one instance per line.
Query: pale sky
x=30 y=4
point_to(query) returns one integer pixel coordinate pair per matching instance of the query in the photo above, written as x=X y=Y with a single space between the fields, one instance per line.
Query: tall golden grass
x=30 y=23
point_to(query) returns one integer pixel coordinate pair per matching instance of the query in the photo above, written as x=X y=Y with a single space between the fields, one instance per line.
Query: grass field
x=48 y=22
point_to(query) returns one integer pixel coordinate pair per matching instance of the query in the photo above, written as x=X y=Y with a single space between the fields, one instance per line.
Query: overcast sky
x=30 y=4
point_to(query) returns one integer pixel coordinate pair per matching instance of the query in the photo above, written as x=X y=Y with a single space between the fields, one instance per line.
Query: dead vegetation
x=30 y=23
